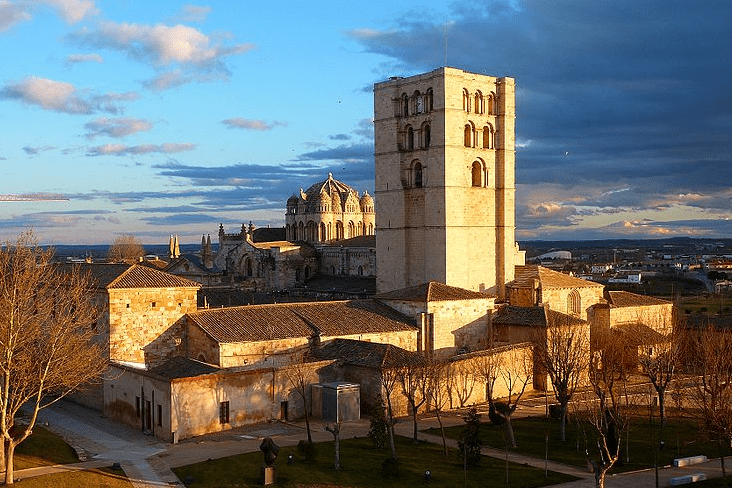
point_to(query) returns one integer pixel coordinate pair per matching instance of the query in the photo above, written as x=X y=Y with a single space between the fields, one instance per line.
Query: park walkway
x=147 y=461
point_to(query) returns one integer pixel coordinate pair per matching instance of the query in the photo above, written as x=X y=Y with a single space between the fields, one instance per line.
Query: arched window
x=466 y=100
x=360 y=270
x=477 y=174
x=417 y=172
x=371 y=229
x=488 y=137
x=492 y=104
x=339 y=230
x=300 y=232
x=574 y=303
x=418 y=102
x=351 y=229
x=323 y=236
x=428 y=101
x=426 y=136
x=405 y=105
x=288 y=232
x=410 y=139
x=468 y=136
x=478 y=102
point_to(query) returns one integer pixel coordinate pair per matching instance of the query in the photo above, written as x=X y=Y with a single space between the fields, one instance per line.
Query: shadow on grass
x=682 y=437
x=362 y=466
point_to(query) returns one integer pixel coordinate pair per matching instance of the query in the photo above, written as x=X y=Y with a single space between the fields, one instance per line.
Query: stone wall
x=347 y=261
x=145 y=324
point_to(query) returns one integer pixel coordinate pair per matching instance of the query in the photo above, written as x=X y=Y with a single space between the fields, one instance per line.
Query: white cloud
x=193 y=13
x=122 y=149
x=59 y=96
x=250 y=124
x=72 y=11
x=84 y=58
x=160 y=45
x=11 y=14
x=116 y=127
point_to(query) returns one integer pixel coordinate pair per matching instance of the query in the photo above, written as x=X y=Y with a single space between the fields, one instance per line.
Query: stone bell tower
x=445 y=162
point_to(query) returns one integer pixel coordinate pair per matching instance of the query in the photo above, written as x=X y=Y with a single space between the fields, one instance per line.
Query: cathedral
x=451 y=282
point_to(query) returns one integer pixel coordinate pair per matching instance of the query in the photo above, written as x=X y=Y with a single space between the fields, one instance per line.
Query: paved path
x=147 y=461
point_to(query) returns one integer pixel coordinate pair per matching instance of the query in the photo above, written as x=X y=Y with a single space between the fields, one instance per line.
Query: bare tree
x=562 y=353
x=658 y=359
x=608 y=412
x=712 y=392
x=412 y=376
x=485 y=369
x=297 y=374
x=436 y=380
x=515 y=372
x=47 y=346
x=461 y=382
x=125 y=249
x=336 y=431
x=388 y=378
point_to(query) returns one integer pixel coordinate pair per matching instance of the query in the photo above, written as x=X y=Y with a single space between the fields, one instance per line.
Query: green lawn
x=101 y=478
x=43 y=448
x=681 y=436
x=361 y=467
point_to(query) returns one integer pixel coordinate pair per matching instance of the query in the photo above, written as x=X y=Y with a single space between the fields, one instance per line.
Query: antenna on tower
x=445 y=30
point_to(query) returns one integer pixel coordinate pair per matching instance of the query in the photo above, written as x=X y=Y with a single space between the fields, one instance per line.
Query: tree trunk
x=414 y=421
x=510 y=438
x=10 y=452
x=662 y=405
x=392 y=445
x=307 y=424
x=563 y=423
x=442 y=431
x=337 y=435
x=721 y=461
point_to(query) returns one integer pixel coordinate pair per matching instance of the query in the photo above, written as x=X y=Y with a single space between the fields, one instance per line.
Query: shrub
x=306 y=450
x=391 y=468
x=379 y=430
x=470 y=441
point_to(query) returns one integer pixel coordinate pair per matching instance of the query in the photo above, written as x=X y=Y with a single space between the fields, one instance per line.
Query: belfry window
x=468 y=136
x=477 y=174
x=417 y=169
x=410 y=139
x=426 y=136
x=405 y=105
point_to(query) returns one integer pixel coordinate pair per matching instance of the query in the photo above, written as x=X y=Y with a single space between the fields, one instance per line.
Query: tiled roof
x=289 y=320
x=626 y=299
x=533 y=316
x=143 y=277
x=525 y=276
x=432 y=291
x=359 y=241
x=182 y=367
x=367 y=354
x=120 y=276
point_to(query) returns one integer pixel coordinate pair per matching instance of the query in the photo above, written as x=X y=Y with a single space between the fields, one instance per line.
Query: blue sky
x=162 y=117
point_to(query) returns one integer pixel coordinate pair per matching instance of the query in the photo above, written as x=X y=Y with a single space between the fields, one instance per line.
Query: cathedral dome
x=292 y=201
x=367 y=202
x=330 y=185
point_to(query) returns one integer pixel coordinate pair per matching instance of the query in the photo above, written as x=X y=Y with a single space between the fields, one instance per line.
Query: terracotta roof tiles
x=432 y=291
x=289 y=320
x=626 y=299
x=526 y=275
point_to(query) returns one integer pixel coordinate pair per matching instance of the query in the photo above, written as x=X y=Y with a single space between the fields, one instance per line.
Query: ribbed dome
x=367 y=201
x=292 y=200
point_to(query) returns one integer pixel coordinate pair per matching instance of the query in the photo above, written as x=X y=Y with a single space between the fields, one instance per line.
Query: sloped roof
x=358 y=241
x=288 y=320
x=526 y=275
x=366 y=354
x=137 y=276
x=432 y=291
x=620 y=299
x=121 y=276
x=533 y=317
x=182 y=367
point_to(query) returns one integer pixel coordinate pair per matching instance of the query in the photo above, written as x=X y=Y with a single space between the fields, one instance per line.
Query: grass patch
x=43 y=448
x=681 y=436
x=361 y=466
x=102 y=478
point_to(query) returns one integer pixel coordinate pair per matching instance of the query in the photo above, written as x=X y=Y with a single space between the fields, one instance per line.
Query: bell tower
x=444 y=163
